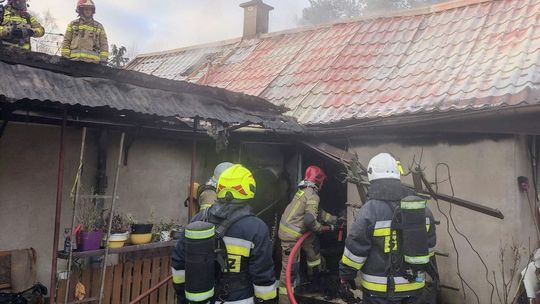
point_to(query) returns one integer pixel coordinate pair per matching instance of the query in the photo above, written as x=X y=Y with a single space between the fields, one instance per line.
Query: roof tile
x=474 y=56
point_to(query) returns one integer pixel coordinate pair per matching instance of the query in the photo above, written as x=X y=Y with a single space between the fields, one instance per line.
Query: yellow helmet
x=236 y=184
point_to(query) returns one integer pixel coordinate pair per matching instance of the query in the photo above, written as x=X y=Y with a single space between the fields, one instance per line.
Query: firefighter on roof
x=17 y=26
x=243 y=255
x=300 y=216
x=392 y=240
x=85 y=38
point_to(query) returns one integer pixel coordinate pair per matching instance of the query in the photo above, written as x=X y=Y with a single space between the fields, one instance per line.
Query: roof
x=47 y=79
x=467 y=56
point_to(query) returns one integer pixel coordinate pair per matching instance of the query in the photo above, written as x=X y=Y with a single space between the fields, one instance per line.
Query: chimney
x=255 y=18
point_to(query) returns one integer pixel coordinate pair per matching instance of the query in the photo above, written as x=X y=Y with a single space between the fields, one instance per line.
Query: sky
x=158 y=25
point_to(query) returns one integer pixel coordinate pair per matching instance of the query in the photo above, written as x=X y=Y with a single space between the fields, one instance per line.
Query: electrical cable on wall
x=449 y=179
x=463 y=282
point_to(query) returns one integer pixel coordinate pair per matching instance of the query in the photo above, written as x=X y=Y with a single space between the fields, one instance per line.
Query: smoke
x=154 y=26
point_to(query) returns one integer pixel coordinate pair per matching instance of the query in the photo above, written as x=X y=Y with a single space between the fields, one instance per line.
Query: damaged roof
x=35 y=77
x=460 y=56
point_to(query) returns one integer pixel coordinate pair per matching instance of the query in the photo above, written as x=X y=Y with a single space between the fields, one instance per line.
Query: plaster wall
x=155 y=179
x=483 y=171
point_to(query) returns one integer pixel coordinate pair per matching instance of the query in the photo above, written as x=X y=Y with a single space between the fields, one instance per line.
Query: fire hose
x=292 y=255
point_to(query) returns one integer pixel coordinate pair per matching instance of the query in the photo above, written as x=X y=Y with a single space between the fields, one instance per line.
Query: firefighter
x=207 y=193
x=249 y=274
x=301 y=215
x=17 y=26
x=372 y=243
x=85 y=38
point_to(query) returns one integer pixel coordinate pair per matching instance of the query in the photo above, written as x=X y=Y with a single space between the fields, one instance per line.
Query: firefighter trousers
x=311 y=248
x=372 y=299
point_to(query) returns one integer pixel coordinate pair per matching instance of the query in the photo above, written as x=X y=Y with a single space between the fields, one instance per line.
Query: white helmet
x=383 y=166
x=217 y=172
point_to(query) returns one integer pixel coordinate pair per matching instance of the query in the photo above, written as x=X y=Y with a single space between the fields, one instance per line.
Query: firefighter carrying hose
x=17 y=26
x=391 y=242
x=85 y=38
x=229 y=236
x=301 y=215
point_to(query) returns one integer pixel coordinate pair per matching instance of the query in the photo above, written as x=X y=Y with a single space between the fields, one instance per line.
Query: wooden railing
x=124 y=282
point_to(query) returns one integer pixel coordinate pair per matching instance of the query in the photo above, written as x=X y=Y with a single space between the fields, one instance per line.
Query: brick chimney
x=256 y=14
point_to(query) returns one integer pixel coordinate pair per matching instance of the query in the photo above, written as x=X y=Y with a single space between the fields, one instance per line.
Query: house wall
x=484 y=171
x=155 y=179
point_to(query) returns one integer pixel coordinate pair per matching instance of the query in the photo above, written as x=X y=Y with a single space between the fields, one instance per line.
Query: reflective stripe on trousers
x=77 y=54
x=25 y=46
x=379 y=284
x=245 y=301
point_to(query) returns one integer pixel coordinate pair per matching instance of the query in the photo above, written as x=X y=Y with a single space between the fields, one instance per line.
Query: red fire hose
x=294 y=251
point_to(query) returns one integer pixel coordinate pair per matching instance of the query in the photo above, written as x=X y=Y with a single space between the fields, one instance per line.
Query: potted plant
x=141 y=232
x=89 y=216
x=163 y=231
x=119 y=231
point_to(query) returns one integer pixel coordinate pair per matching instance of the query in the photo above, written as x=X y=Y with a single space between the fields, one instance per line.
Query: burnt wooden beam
x=458 y=201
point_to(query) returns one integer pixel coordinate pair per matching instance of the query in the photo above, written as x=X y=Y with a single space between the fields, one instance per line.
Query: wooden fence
x=123 y=282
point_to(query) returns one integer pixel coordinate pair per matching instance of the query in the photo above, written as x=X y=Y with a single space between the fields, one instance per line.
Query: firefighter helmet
x=315 y=175
x=217 y=172
x=85 y=3
x=236 y=184
x=383 y=166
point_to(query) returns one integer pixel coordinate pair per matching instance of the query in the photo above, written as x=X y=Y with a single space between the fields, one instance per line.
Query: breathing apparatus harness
x=212 y=273
x=409 y=251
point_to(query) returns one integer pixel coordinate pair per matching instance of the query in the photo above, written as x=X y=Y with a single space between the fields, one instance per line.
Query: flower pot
x=117 y=240
x=165 y=236
x=89 y=240
x=138 y=239
x=141 y=228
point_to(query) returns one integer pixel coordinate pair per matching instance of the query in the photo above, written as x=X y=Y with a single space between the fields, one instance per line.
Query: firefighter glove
x=329 y=228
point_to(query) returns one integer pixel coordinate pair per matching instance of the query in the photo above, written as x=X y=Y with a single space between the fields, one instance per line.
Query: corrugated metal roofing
x=49 y=79
x=485 y=55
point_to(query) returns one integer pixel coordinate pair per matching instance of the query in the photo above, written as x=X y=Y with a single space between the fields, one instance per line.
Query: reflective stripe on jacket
x=13 y=18
x=85 y=41
x=367 y=248
x=300 y=215
x=249 y=250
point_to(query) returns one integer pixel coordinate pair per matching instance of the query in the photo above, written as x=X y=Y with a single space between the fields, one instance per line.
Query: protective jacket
x=13 y=19
x=86 y=40
x=300 y=215
x=367 y=247
x=207 y=197
x=249 y=254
